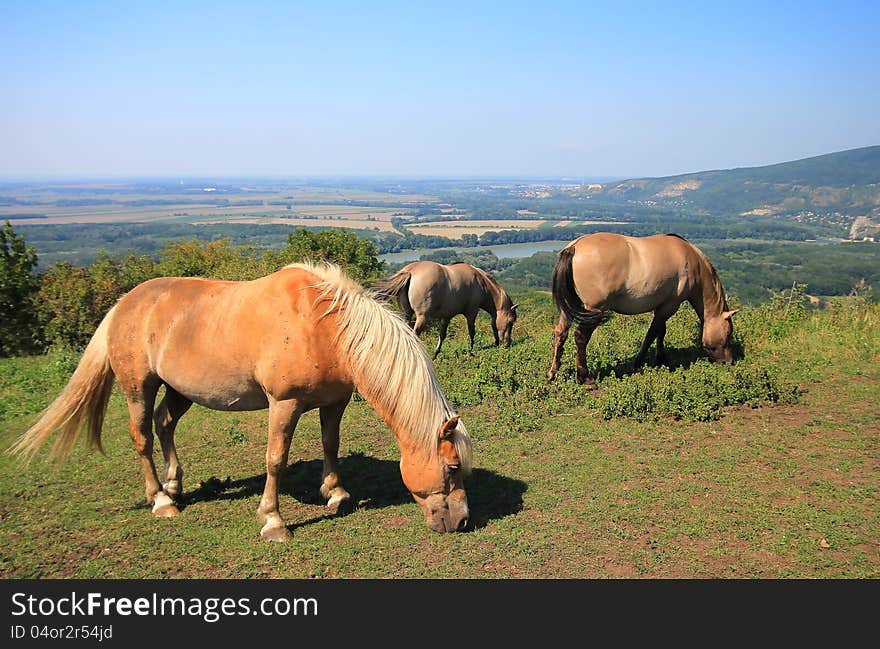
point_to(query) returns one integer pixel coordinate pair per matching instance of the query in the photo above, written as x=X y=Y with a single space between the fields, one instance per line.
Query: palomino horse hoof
x=163 y=506
x=166 y=511
x=340 y=505
x=279 y=534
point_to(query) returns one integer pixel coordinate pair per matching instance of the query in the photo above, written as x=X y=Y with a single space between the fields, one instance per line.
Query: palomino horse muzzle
x=454 y=516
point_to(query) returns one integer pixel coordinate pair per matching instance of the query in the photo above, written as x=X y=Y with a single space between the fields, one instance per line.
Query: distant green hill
x=847 y=182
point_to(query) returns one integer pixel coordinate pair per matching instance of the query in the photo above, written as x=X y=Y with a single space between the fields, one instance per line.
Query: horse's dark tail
x=396 y=286
x=565 y=295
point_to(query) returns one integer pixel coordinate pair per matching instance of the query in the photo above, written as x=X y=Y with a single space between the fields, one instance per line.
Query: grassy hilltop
x=767 y=469
x=847 y=181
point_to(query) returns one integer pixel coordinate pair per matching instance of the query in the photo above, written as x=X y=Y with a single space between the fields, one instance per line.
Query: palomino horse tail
x=84 y=397
x=565 y=295
x=396 y=286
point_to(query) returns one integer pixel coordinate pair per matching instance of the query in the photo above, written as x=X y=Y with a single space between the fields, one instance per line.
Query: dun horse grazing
x=298 y=339
x=435 y=291
x=604 y=272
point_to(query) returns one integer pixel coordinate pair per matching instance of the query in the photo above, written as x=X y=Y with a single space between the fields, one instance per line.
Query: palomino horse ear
x=448 y=427
x=727 y=315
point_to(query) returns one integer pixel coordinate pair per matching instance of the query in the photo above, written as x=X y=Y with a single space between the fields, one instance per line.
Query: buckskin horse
x=301 y=338
x=603 y=272
x=435 y=291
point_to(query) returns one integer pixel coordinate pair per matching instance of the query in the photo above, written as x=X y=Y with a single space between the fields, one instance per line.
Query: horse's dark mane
x=714 y=278
x=678 y=236
x=488 y=282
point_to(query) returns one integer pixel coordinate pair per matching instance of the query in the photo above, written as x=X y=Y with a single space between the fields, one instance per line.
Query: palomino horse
x=301 y=338
x=611 y=272
x=435 y=291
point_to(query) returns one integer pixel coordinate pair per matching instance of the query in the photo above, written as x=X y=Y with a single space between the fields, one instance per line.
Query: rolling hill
x=846 y=182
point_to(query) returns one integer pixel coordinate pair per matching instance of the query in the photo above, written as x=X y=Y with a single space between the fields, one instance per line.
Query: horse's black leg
x=581 y=339
x=444 y=325
x=331 y=485
x=661 y=350
x=649 y=338
x=472 y=328
x=560 y=335
x=169 y=411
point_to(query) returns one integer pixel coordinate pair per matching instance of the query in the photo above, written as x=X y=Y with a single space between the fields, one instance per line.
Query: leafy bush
x=697 y=393
x=18 y=289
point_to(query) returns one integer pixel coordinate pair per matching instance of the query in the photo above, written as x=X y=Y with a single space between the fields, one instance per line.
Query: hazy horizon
x=467 y=91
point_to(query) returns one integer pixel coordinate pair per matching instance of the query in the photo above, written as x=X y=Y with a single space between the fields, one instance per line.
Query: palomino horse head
x=437 y=483
x=717 y=334
x=504 y=319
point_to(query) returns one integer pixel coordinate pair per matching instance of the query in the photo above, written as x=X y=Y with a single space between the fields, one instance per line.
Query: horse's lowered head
x=437 y=483
x=504 y=320
x=717 y=335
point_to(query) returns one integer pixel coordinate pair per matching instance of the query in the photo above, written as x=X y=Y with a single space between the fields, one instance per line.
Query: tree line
x=63 y=305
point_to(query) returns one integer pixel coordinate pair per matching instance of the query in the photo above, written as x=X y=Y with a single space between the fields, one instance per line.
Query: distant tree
x=19 y=332
x=358 y=257
x=66 y=305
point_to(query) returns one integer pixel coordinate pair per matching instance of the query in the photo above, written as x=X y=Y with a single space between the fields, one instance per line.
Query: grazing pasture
x=769 y=468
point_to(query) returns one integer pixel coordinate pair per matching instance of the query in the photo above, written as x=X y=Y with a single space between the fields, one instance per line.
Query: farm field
x=568 y=483
x=457 y=229
x=89 y=203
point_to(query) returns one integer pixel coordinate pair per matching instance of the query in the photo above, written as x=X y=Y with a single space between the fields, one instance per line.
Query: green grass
x=746 y=471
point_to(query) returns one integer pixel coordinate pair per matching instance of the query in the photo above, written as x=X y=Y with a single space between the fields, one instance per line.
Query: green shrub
x=696 y=393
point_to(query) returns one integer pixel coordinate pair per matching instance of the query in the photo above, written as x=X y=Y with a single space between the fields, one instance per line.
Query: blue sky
x=431 y=88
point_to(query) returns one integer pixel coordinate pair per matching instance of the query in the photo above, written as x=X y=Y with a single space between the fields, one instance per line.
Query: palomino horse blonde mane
x=390 y=366
x=302 y=338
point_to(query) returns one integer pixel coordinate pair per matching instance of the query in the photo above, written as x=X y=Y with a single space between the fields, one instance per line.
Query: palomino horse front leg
x=444 y=325
x=283 y=417
x=560 y=335
x=582 y=336
x=168 y=413
x=331 y=486
x=140 y=427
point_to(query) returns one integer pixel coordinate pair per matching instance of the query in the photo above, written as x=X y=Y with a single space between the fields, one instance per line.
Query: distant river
x=513 y=250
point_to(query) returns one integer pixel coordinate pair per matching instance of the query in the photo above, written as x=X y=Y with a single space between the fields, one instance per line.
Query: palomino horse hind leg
x=140 y=427
x=283 y=417
x=331 y=486
x=560 y=335
x=582 y=336
x=444 y=325
x=169 y=411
